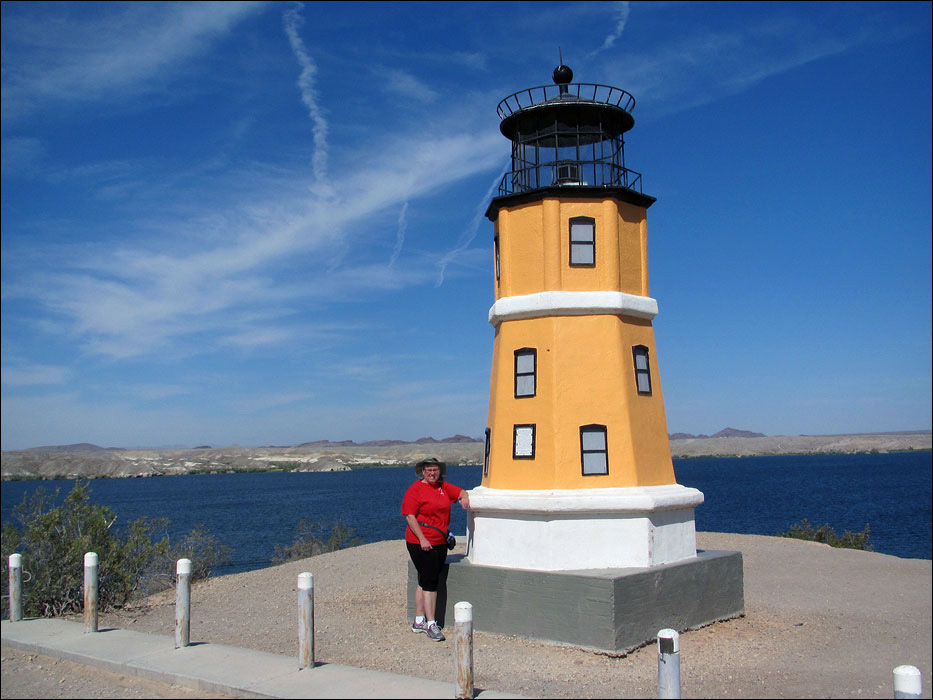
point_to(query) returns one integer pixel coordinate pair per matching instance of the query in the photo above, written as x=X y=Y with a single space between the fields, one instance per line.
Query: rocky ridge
x=89 y=461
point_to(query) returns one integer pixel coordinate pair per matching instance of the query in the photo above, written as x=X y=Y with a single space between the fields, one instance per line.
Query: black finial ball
x=562 y=74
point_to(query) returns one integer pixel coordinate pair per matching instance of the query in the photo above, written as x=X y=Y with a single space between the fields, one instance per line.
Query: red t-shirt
x=431 y=505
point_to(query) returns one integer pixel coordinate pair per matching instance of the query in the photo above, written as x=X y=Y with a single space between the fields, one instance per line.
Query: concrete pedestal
x=612 y=610
x=582 y=529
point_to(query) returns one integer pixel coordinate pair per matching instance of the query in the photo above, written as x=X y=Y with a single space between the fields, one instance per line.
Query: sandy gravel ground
x=820 y=622
x=36 y=676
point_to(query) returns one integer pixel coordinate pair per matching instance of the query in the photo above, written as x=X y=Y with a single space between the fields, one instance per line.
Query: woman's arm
x=416 y=528
x=464 y=499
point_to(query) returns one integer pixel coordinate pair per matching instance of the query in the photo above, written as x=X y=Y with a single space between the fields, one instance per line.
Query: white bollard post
x=16 y=587
x=668 y=664
x=305 y=620
x=907 y=682
x=463 y=648
x=90 y=592
x=182 y=603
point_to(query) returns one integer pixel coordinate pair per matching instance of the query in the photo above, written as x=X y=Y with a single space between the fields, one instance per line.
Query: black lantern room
x=567 y=135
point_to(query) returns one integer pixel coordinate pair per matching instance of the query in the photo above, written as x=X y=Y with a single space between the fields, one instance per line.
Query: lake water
x=253 y=512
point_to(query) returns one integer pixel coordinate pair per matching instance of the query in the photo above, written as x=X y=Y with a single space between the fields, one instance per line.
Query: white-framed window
x=642 y=369
x=594 y=452
x=526 y=372
x=582 y=241
x=523 y=441
x=495 y=243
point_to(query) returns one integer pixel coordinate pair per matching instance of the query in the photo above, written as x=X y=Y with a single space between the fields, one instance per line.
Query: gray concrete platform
x=613 y=610
x=216 y=668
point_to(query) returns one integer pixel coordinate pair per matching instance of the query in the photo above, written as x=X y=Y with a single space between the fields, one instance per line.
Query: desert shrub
x=135 y=560
x=827 y=535
x=310 y=541
x=204 y=551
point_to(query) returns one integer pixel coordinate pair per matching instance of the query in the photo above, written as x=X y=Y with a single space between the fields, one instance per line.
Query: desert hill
x=90 y=461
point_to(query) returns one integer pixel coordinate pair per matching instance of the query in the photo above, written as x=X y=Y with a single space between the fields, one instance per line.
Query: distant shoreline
x=907 y=450
x=58 y=463
x=285 y=470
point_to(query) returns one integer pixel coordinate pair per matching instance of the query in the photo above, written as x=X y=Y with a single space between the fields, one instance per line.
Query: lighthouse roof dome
x=568 y=105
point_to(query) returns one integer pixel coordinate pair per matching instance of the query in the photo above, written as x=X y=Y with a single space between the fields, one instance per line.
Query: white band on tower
x=572 y=304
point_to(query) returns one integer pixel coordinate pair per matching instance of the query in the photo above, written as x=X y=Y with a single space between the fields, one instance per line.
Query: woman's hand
x=464 y=500
x=419 y=533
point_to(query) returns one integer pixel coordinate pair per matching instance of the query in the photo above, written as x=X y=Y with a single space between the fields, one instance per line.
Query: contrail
x=623 y=10
x=466 y=238
x=400 y=234
x=292 y=22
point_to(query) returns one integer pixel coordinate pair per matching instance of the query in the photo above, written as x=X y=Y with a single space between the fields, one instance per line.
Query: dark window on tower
x=486 y=455
x=526 y=366
x=594 y=454
x=523 y=442
x=642 y=369
x=496 y=246
x=583 y=241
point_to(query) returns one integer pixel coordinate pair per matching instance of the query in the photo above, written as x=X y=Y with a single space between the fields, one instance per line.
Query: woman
x=426 y=507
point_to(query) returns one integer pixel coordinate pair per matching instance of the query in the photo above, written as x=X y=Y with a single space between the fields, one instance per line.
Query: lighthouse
x=578 y=471
x=579 y=532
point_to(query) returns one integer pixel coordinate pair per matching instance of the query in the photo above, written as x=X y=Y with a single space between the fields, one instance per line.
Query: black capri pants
x=428 y=564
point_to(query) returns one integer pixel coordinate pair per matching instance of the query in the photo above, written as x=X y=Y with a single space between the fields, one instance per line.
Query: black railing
x=588 y=92
x=569 y=174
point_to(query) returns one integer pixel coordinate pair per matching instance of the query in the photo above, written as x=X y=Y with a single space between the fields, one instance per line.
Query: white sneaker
x=419 y=626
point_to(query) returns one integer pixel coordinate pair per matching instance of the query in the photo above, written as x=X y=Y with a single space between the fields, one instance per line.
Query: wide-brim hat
x=419 y=468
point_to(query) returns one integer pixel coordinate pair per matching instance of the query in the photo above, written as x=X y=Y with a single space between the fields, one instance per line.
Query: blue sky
x=263 y=223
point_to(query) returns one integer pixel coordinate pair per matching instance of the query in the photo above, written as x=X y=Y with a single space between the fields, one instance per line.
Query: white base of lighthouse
x=566 y=530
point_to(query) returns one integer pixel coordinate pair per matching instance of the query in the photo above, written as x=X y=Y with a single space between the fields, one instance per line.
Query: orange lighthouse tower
x=578 y=471
x=579 y=532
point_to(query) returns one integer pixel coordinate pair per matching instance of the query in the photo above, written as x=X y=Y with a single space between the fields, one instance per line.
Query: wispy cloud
x=708 y=64
x=470 y=59
x=406 y=85
x=157 y=392
x=192 y=273
x=293 y=22
x=467 y=236
x=138 y=299
x=33 y=375
x=256 y=337
x=117 y=53
x=262 y=403
x=622 y=10
x=23 y=156
x=400 y=233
